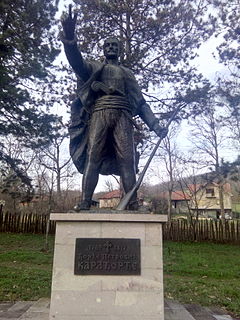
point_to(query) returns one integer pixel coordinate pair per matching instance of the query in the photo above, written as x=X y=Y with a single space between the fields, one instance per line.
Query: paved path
x=39 y=310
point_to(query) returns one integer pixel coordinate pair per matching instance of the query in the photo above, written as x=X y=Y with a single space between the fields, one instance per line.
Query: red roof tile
x=111 y=195
x=176 y=195
x=179 y=195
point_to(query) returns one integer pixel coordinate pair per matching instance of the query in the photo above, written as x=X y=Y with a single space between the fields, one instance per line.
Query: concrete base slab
x=176 y=311
x=14 y=311
x=39 y=310
x=198 y=312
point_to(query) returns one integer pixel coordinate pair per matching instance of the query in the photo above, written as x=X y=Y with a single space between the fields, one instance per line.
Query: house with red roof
x=110 y=199
x=203 y=198
x=207 y=199
x=179 y=200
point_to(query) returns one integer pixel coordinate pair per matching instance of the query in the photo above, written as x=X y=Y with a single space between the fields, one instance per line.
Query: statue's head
x=111 y=48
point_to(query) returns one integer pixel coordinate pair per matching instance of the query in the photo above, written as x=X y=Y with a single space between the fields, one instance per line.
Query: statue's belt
x=110 y=97
x=109 y=102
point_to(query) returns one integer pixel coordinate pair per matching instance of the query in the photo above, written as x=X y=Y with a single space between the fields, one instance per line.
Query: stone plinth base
x=107 y=297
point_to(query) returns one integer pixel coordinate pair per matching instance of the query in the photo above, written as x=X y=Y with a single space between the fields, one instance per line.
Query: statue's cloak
x=81 y=110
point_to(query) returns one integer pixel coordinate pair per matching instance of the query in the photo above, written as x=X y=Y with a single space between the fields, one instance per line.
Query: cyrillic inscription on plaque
x=108 y=256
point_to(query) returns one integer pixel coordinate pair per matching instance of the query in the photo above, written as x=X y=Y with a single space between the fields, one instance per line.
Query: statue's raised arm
x=72 y=51
x=69 y=24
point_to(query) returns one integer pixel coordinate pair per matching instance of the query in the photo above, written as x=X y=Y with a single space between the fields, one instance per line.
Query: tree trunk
x=221 y=201
x=58 y=172
x=169 y=205
x=59 y=184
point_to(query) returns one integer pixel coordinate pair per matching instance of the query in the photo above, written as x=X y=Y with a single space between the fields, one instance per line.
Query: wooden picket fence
x=203 y=230
x=176 y=230
x=26 y=223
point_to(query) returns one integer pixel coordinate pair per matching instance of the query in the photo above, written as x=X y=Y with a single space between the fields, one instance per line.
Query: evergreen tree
x=27 y=51
x=229 y=54
x=228 y=28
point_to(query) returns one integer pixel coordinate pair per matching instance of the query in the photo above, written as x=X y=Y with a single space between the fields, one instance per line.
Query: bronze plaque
x=108 y=256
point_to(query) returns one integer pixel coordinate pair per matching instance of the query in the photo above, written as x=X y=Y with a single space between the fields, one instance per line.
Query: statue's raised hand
x=69 y=24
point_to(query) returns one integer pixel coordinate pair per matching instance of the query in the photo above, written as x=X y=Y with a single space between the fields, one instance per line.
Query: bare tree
x=168 y=154
x=108 y=185
x=209 y=140
x=51 y=159
x=190 y=185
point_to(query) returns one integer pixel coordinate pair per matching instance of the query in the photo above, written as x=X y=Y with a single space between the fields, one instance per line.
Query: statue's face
x=111 y=48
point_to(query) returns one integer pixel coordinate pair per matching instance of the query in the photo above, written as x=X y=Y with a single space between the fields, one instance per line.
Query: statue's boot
x=83 y=206
x=133 y=205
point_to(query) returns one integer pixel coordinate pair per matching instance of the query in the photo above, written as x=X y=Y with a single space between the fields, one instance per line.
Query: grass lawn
x=25 y=269
x=204 y=273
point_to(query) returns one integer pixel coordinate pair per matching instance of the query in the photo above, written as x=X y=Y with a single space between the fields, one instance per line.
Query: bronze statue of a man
x=101 y=131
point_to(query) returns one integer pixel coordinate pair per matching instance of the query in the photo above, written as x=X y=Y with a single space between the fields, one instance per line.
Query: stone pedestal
x=108 y=297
